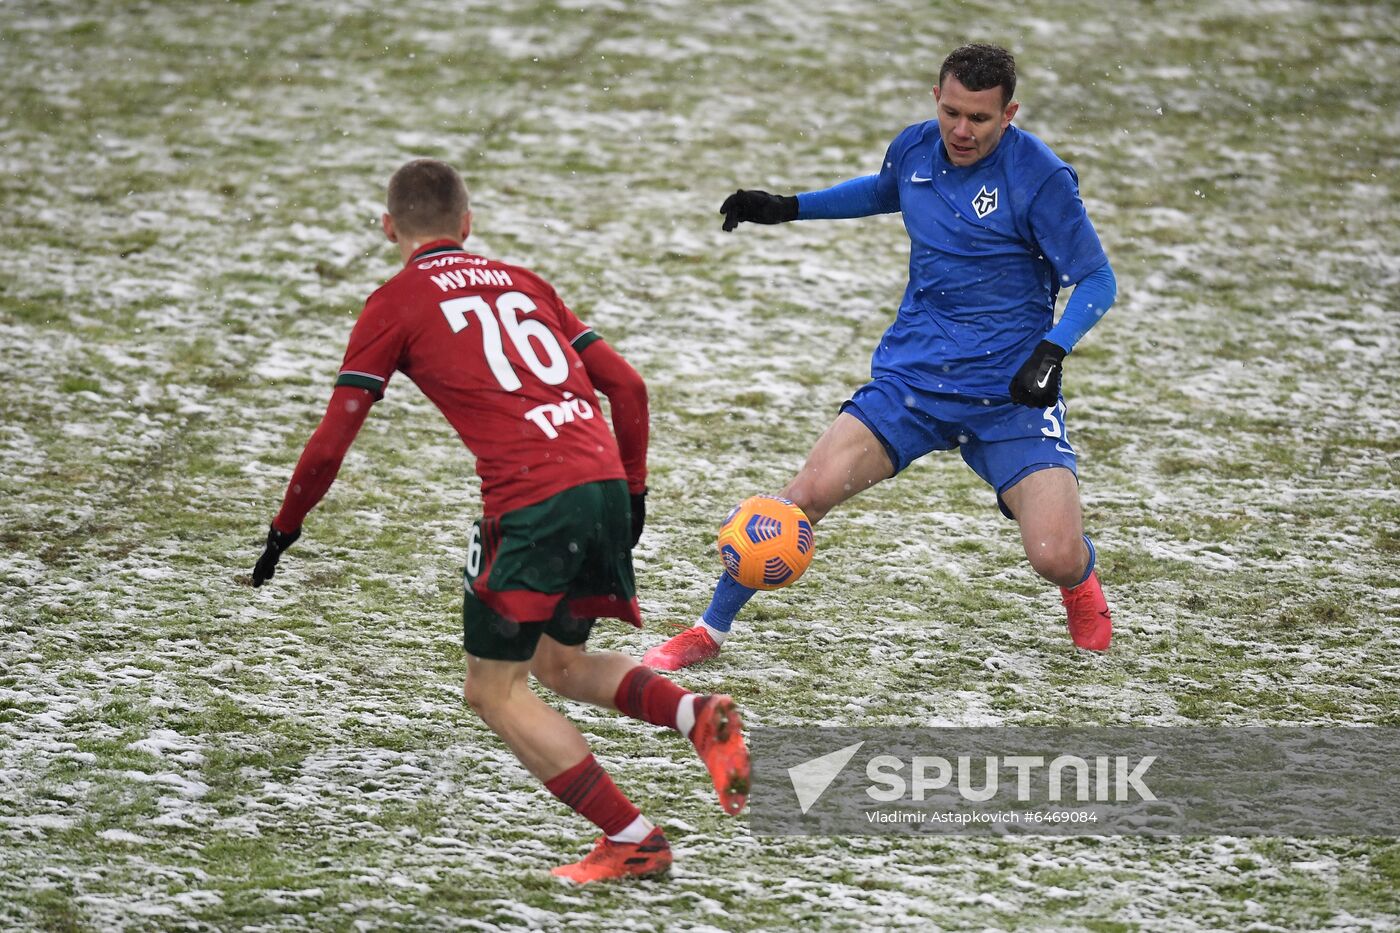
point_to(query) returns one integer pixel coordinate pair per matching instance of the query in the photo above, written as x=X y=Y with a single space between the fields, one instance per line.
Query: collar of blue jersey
x=445 y=245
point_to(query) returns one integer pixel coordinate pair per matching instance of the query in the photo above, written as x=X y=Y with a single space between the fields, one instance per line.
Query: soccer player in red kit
x=514 y=372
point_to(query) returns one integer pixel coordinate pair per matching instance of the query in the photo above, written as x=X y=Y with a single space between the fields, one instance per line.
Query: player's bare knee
x=482 y=701
x=553 y=673
x=1058 y=562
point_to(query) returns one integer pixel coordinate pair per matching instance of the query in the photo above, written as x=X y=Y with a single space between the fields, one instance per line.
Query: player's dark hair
x=427 y=196
x=980 y=67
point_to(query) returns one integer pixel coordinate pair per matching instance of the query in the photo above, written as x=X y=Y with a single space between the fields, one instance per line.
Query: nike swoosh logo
x=916 y=179
x=1045 y=379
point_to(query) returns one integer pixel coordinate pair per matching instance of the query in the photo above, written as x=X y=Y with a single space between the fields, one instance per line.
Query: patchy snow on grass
x=193 y=201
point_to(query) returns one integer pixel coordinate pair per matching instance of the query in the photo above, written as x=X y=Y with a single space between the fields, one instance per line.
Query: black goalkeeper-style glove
x=757 y=207
x=1037 y=382
x=639 y=515
x=277 y=542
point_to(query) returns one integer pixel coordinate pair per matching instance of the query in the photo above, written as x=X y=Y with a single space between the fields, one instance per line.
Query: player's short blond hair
x=427 y=196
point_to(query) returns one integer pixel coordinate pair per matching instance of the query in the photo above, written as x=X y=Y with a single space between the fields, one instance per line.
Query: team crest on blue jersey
x=985 y=202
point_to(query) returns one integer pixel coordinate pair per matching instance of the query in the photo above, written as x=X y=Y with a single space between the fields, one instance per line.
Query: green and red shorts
x=549 y=568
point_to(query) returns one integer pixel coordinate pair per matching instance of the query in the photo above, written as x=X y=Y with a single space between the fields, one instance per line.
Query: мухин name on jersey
x=453 y=279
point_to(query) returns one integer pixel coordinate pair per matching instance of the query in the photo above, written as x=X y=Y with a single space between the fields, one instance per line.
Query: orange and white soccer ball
x=766 y=542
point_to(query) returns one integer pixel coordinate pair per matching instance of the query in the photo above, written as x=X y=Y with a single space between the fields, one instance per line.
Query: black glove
x=758 y=207
x=277 y=542
x=639 y=515
x=1037 y=382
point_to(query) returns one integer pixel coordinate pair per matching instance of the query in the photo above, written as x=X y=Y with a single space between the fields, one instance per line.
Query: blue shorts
x=1003 y=442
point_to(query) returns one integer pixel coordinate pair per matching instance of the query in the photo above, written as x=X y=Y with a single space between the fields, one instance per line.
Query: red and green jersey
x=497 y=351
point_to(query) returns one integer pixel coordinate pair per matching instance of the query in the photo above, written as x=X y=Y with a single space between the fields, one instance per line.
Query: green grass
x=191 y=199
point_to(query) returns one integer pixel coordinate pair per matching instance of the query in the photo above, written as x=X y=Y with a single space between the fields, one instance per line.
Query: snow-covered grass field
x=190 y=196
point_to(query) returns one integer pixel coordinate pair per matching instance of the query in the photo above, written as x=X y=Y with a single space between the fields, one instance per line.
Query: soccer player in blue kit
x=974 y=358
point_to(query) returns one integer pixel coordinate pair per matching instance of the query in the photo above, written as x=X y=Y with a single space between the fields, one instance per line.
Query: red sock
x=646 y=695
x=587 y=788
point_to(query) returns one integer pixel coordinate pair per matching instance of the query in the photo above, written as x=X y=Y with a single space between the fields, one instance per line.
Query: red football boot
x=689 y=647
x=1090 y=625
x=650 y=858
x=717 y=736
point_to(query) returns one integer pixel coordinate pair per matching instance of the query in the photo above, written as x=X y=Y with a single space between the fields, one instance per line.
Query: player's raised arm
x=857 y=197
x=315 y=471
x=631 y=419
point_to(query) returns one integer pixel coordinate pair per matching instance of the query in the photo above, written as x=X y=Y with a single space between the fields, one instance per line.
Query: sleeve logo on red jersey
x=548 y=417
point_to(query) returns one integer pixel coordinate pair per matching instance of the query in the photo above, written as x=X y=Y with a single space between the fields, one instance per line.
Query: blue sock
x=1093 y=557
x=730 y=596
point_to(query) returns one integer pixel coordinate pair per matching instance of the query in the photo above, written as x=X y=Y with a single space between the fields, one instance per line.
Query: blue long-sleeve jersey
x=991 y=245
